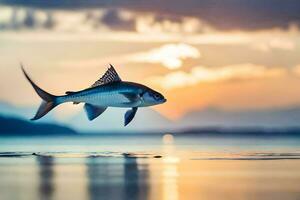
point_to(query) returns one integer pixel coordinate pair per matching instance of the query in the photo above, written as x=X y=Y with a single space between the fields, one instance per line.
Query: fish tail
x=49 y=101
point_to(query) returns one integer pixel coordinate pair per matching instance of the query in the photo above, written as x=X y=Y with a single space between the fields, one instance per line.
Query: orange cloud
x=206 y=74
x=170 y=55
x=275 y=43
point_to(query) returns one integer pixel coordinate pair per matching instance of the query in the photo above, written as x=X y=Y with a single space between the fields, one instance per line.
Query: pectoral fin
x=131 y=96
x=129 y=115
x=92 y=111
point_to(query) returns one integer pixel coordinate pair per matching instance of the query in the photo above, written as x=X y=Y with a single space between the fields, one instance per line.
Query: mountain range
x=148 y=119
x=269 y=118
x=14 y=126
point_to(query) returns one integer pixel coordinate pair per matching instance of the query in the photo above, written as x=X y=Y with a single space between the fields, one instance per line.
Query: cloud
x=224 y=15
x=18 y=19
x=114 y=19
x=29 y=20
x=296 y=70
x=49 y=22
x=170 y=55
x=153 y=24
x=126 y=26
x=118 y=20
x=207 y=74
x=275 y=43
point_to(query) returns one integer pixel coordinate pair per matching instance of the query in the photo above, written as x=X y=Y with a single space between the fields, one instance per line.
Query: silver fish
x=108 y=91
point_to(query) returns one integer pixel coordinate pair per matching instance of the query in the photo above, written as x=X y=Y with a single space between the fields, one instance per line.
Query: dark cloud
x=58 y=4
x=222 y=14
x=171 y=18
x=29 y=21
x=49 y=23
x=113 y=19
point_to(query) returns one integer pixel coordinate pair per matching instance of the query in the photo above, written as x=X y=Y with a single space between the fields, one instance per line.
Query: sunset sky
x=229 y=54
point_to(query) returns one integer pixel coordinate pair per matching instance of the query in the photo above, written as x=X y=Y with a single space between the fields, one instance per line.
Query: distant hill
x=14 y=126
x=240 y=131
x=213 y=117
x=147 y=119
x=111 y=120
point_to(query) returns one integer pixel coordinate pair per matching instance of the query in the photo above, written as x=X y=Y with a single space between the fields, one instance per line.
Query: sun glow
x=170 y=55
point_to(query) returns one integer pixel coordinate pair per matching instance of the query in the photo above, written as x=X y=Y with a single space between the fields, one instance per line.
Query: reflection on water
x=99 y=182
x=172 y=172
x=135 y=178
x=131 y=178
x=46 y=187
x=111 y=178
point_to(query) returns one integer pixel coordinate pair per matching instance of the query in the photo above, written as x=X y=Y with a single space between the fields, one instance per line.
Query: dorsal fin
x=70 y=92
x=110 y=76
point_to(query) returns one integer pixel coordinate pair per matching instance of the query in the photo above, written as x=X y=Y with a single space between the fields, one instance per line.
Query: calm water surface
x=149 y=167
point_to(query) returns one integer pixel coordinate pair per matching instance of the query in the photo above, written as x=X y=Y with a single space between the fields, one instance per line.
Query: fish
x=108 y=91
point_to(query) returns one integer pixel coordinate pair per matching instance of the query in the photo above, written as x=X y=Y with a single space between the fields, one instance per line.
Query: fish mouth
x=164 y=100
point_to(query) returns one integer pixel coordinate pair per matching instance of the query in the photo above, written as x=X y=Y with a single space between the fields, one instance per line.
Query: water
x=150 y=167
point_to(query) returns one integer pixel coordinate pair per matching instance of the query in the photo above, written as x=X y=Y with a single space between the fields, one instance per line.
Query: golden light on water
x=170 y=185
x=72 y=187
x=168 y=139
x=170 y=172
x=208 y=172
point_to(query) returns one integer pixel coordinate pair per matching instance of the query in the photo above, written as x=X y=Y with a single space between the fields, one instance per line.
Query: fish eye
x=156 y=96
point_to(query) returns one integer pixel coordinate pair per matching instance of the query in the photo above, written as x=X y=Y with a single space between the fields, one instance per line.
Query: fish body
x=120 y=94
x=108 y=91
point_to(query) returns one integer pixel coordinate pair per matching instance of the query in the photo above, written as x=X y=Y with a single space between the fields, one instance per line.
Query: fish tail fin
x=44 y=108
x=49 y=101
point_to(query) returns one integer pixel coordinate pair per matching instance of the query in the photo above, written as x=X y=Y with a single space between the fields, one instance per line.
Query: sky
x=228 y=54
